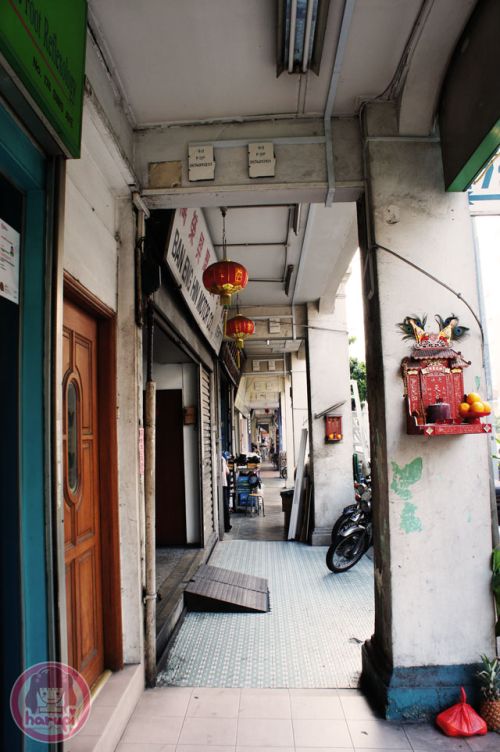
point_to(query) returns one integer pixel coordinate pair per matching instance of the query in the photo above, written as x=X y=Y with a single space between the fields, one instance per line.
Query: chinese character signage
x=189 y=252
x=9 y=262
x=44 y=43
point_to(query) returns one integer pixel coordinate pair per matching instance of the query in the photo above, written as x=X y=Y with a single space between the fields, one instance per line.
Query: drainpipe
x=149 y=500
x=345 y=24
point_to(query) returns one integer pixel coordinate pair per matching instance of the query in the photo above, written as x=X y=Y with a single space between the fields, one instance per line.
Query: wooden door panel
x=70 y=602
x=81 y=494
x=85 y=514
x=88 y=627
x=84 y=367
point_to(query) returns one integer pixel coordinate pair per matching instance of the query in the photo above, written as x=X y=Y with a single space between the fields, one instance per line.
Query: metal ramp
x=217 y=589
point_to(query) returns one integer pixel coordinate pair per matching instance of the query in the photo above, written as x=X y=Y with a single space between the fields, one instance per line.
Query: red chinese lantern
x=225 y=278
x=239 y=328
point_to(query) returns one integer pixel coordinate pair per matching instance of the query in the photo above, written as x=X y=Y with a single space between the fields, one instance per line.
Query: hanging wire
x=434 y=279
x=223 y=211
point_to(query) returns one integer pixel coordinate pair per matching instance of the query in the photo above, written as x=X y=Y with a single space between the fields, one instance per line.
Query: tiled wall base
x=414 y=693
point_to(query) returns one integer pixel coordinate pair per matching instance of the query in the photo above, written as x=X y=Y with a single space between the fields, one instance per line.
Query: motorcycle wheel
x=346 y=552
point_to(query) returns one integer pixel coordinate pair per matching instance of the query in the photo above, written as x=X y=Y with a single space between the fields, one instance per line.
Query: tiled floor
x=180 y=719
x=250 y=526
x=311 y=637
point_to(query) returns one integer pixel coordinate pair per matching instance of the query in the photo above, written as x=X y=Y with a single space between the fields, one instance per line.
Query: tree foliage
x=358 y=373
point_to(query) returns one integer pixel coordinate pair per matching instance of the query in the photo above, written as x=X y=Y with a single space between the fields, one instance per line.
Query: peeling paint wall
x=329 y=379
x=434 y=535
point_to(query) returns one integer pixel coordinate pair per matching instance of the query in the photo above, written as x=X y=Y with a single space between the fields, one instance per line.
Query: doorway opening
x=91 y=531
x=179 y=495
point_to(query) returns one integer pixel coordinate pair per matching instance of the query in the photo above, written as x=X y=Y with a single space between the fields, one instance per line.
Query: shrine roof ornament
x=433 y=344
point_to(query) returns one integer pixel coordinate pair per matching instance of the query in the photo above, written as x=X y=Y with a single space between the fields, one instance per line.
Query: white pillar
x=129 y=395
x=433 y=535
x=328 y=363
x=299 y=404
x=287 y=422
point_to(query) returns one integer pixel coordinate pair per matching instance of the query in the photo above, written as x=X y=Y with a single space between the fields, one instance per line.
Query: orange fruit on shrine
x=473 y=397
x=464 y=409
x=487 y=408
x=477 y=408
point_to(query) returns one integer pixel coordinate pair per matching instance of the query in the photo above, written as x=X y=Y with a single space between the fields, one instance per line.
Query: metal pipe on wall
x=150 y=510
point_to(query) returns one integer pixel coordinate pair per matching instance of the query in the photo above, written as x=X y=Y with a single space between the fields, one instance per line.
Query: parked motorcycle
x=352 y=533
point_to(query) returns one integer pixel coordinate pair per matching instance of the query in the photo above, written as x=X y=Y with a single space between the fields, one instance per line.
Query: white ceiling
x=328 y=249
x=198 y=60
x=186 y=61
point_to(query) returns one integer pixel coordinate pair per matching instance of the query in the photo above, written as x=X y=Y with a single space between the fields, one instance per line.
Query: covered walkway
x=311 y=637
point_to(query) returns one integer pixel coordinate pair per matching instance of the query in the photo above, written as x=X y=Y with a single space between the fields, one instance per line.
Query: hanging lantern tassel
x=239 y=328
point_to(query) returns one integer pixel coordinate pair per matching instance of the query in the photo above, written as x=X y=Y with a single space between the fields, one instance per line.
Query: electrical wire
x=434 y=279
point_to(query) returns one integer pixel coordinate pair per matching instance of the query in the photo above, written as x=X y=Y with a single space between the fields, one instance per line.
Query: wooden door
x=81 y=494
x=170 y=486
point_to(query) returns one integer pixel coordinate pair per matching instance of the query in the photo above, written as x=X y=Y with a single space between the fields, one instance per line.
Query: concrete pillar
x=129 y=386
x=328 y=367
x=299 y=404
x=433 y=535
x=287 y=421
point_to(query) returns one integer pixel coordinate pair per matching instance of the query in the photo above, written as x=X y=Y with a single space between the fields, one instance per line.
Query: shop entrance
x=170 y=487
x=89 y=445
x=82 y=503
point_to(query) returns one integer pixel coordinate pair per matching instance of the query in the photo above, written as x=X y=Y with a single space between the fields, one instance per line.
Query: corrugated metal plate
x=216 y=589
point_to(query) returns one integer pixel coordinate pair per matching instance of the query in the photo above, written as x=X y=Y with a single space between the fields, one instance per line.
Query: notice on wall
x=9 y=262
x=189 y=251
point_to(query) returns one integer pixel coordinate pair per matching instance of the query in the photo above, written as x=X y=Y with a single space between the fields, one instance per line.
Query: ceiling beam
x=301 y=174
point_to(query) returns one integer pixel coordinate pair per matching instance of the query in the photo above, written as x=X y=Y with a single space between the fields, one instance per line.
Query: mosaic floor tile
x=310 y=639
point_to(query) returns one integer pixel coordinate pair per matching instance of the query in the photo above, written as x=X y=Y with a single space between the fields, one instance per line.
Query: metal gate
x=207 y=470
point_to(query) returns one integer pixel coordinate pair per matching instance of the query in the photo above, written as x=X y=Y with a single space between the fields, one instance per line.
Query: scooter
x=352 y=534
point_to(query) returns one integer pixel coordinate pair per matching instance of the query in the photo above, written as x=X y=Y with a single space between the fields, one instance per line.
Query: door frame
x=76 y=293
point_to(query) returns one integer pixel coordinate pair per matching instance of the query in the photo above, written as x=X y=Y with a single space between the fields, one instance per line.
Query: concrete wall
x=90 y=251
x=433 y=529
x=328 y=363
x=300 y=412
x=287 y=421
x=184 y=376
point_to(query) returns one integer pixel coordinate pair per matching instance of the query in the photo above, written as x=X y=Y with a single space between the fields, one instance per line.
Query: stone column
x=129 y=416
x=299 y=404
x=328 y=370
x=433 y=534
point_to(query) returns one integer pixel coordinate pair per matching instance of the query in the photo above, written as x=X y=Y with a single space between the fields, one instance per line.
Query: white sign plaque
x=189 y=251
x=201 y=163
x=261 y=160
x=9 y=262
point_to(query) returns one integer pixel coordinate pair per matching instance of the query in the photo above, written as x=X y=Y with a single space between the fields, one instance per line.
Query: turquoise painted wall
x=25 y=167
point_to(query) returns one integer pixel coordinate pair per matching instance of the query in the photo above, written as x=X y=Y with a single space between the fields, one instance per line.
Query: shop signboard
x=43 y=42
x=188 y=253
x=484 y=193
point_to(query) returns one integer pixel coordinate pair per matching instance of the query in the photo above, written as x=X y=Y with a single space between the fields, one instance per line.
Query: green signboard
x=44 y=43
